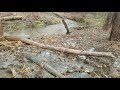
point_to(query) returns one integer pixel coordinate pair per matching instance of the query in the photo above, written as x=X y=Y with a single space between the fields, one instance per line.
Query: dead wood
x=62 y=49
x=46 y=66
x=66 y=26
x=11 y=18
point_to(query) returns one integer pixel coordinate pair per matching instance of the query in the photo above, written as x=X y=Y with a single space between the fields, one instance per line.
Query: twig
x=66 y=27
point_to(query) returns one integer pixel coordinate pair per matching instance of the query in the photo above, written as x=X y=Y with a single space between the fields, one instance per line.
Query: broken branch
x=11 y=18
x=66 y=27
x=62 y=49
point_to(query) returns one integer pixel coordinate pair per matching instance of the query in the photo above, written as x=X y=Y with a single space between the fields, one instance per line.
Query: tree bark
x=113 y=21
x=62 y=49
x=66 y=26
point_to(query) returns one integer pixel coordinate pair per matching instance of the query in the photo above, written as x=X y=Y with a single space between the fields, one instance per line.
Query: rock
x=116 y=64
x=85 y=75
x=6 y=64
x=82 y=57
x=87 y=70
x=19 y=48
x=91 y=49
x=115 y=68
x=74 y=75
x=47 y=55
x=79 y=75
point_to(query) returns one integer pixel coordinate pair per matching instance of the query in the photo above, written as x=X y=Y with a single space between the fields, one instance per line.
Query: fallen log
x=62 y=49
x=46 y=66
x=11 y=18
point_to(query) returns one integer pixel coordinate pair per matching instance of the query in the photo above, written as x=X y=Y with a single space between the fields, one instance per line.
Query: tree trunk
x=1 y=32
x=107 y=24
x=115 y=30
x=113 y=20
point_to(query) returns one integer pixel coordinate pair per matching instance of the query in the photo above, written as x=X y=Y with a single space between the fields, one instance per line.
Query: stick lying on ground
x=11 y=18
x=46 y=66
x=73 y=51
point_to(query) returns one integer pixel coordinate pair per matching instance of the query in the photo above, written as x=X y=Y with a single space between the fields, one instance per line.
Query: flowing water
x=48 y=30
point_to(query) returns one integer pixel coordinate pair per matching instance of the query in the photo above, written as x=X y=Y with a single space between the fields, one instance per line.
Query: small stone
x=62 y=60
x=70 y=71
x=91 y=50
x=20 y=48
x=82 y=57
x=73 y=59
x=87 y=70
x=74 y=75
x=116 y=64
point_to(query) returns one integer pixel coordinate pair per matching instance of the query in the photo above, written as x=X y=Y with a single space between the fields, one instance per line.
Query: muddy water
x=48 y=30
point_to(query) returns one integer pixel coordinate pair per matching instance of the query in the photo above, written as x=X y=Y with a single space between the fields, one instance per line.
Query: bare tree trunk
x=113 y=21
x=108 y=21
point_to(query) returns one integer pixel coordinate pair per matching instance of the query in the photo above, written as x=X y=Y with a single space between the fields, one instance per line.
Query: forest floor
x=91 y=38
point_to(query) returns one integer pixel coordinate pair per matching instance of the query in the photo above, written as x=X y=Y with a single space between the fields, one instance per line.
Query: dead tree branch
x=66 y=26
x=62 y=49
x=11 y=18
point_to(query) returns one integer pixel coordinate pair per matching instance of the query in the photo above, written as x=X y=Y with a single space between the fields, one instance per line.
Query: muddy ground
x=13 y=64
